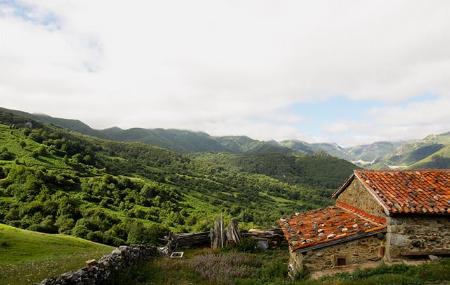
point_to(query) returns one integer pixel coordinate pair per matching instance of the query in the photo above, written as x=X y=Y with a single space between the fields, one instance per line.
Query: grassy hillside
x=58 y=181
x=28 y=256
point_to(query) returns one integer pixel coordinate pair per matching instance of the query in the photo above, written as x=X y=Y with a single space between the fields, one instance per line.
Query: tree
x=6 y=155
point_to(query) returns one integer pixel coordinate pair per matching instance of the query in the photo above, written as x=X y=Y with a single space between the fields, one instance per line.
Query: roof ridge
x=421 y=191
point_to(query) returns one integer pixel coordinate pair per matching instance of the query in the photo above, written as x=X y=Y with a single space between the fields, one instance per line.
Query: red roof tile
x=322 y=226
x=409 y=192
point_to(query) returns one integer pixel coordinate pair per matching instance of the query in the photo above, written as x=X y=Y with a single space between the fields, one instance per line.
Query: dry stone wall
x=417 y=235
x=99 y=272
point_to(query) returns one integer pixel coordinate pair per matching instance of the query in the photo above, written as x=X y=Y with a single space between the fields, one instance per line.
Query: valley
x=59 y=181
x=67 y=188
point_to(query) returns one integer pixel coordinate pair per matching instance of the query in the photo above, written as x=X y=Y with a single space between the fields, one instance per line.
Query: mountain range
x=432 y=151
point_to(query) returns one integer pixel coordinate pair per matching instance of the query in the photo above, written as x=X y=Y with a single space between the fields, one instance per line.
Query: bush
x=6 y=155
x=46 y=226
x=2 y=173
x=247 y=245
x=80 y=230
x=96 y=236
x=139 y=234
x=65 y=224
x=274 y=270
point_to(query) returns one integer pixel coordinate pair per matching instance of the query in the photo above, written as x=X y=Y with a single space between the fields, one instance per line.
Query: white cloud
x=223 y=66
x=400 y=122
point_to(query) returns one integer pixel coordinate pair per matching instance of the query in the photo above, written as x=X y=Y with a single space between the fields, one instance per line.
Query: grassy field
x=27 y=257
x=207 y=267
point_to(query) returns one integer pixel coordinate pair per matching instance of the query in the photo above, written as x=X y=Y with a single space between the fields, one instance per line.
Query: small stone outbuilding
x=379 y=216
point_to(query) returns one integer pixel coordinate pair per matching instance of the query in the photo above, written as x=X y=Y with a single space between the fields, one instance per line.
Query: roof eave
x=343 y=187
x=339 y=241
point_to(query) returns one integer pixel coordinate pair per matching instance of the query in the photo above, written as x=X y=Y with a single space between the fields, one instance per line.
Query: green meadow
x=27 y=256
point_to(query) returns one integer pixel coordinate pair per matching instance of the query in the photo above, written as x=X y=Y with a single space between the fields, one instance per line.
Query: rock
x=116 y=251
x=417 y=243
x=262 y=244
x=433 y=257
x=399 y=240
x=91 y=262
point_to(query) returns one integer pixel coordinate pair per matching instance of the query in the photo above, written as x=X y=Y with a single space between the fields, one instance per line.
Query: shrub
x=96 y=236
x=65 y=224
x=2 y=173
x=247 y=245
x=80 y=229
x=276 y=269
x=139 y=234
x=6 y=155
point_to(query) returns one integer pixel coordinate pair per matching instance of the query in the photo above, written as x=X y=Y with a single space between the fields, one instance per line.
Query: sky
x=349 y=72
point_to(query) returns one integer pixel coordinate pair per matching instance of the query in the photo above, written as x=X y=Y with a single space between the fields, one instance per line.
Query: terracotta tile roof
x=327 y=226
x=409 y=192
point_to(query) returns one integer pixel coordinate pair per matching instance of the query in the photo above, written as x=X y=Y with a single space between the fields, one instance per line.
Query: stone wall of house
x=359 y=251
x=99 y=272
x=417 y=235
x=358 y=196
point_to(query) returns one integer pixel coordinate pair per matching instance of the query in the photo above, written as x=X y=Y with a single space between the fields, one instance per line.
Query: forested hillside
x=55 y=180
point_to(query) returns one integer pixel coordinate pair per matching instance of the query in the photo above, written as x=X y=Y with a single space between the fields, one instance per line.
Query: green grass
x=27 y=256
x=207 y=267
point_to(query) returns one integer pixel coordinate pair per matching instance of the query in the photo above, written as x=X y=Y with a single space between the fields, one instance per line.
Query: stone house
x=378 y=216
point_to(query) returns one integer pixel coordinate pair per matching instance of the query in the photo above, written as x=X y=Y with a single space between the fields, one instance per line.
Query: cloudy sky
x=350 y=72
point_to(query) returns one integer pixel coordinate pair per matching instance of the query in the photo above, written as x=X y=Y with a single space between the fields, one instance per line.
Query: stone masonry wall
x=421 y=235
x=359 y=251
x=359 y=197
x=100 y=272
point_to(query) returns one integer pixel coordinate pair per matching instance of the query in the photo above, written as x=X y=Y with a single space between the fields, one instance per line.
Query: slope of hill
x=299 y=146
x=238 y=144
x=320 y=170
x=53 y=180
x=430 y=152
x=368 y=154
x=28 y=257
x=178 y=140
x=312 y=148
x=75 y=125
